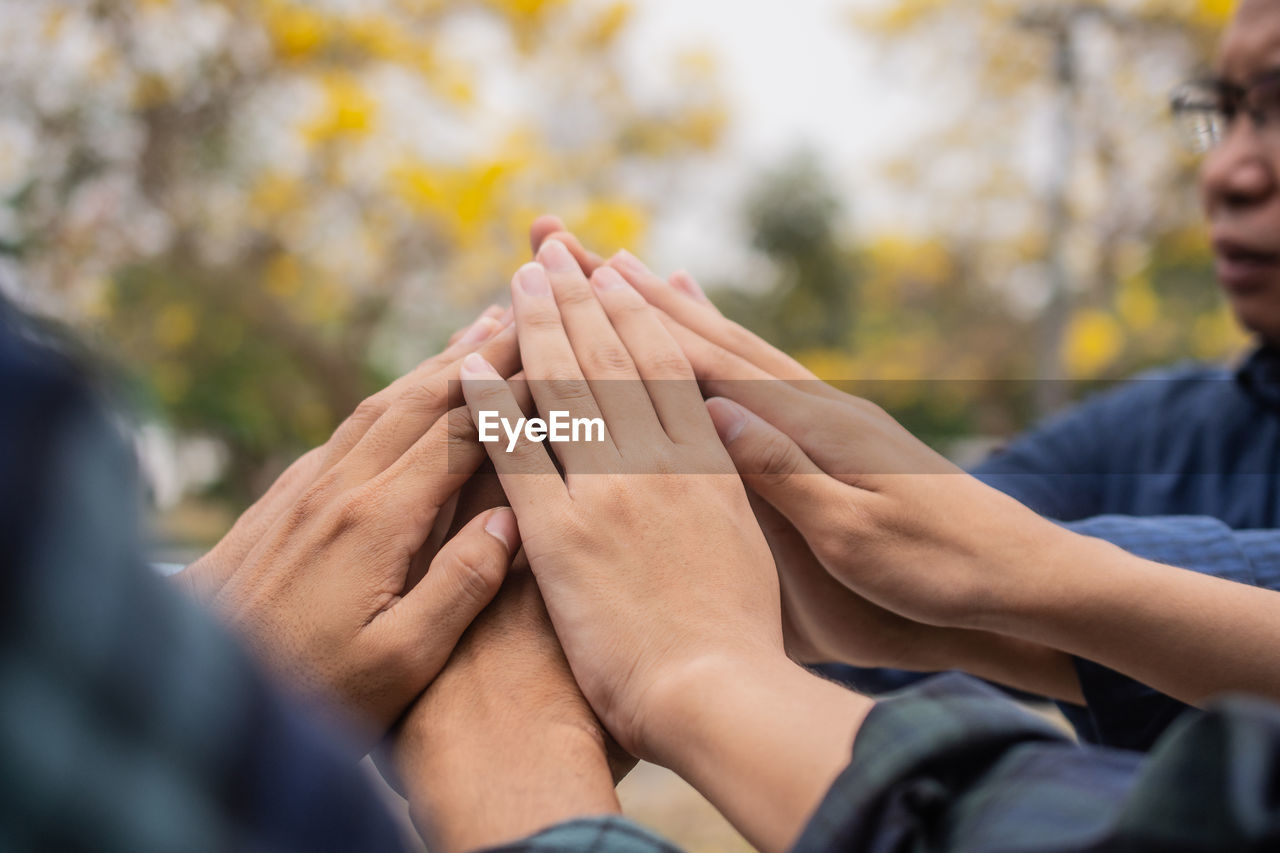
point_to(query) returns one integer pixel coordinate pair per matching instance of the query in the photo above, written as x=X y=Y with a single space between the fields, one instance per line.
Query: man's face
x=1240 y=180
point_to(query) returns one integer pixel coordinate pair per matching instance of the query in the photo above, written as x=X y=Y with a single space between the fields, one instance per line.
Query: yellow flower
x=1093 y=341
x=349 y=111
x=296 y=31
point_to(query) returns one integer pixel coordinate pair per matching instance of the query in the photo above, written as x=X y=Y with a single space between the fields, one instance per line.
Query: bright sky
x=798 y=75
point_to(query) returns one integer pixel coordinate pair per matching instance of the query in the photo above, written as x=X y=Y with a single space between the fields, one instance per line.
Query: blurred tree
x=264 y=206
x=1093 y=233
x=902 y=321
x=795 y=220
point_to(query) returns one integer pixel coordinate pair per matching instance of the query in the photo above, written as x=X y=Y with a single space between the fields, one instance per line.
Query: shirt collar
x=1259 y=376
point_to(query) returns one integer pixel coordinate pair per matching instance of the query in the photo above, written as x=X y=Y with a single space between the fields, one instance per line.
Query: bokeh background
x=259 y=211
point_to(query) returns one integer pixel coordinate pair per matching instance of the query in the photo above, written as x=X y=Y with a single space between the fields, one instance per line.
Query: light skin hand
x=1039 y=592
x=648 y=620
x=826 y=619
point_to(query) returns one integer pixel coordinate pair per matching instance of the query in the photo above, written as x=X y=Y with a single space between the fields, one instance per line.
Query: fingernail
x=476 y=365
x=608 y=279
x=630 y=262
x=729 y=418
x=493 y=311
x=688 y=285
x=480 y=330
x=556 y=257
x=502 y=526
x=532 y=279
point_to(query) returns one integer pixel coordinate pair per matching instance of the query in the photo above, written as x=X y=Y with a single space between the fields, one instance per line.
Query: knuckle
x=366 y=414
x=314 y=501
x=567 y=386
x=460 y=428
x=572 y=292
x=775 y=459
x=669 y=364
x=369 y=411
x=353 y=511
x=542 y=321
x=477 y=571
x=610 y=358
x=418 y=400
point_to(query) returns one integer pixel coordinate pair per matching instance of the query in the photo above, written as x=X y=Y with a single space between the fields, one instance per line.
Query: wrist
x=762 y=739
x=498 y=779
x=1046 y=575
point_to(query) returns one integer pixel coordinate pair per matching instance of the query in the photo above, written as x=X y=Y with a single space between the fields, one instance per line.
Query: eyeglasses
x=1205 y=110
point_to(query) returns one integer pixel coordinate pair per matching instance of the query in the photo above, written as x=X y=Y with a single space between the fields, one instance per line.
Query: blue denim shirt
x=1185 y=441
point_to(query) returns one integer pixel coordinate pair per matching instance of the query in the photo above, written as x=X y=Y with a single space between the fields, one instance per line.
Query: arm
x=502 y=745
x=654 y=625
x=902 y=527
x=1186 y=634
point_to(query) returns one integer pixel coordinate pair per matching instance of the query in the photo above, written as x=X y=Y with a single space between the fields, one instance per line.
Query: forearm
x=1010 y=661
x=761 y=742
x=482 y=786
x=1185 y=634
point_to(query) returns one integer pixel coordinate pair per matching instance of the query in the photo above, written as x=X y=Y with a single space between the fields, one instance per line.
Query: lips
x=1244 y=268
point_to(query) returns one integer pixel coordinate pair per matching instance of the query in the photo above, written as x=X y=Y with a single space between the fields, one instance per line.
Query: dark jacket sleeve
x=953 y=765
x=128 y=720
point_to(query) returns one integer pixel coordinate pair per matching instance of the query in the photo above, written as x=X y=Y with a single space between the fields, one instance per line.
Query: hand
x=205 y=577
x=503 y=744
x=647 y=553
x=327 y=595
x=822 y=619
x=882 y=512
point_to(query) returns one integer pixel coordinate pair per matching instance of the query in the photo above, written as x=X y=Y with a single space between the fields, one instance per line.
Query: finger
x=776 y=469
x=700 y=317
x=821 y=426
x=229 y=554
x=411 y=407
x=668 y=377
x=410 y=495
x=683 y=281
x=542 y=228
x=555 y=378
x=605 y=361
x=542 y=231
x=493 y=312
x=500 y=348
x=528 y=475
x=462 y=580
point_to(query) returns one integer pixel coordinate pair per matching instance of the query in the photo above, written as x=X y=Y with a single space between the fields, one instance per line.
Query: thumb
x=463 y=578
x=774 y=466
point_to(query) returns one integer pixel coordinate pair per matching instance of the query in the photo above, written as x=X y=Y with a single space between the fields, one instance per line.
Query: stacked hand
x=872 y=531
x=635 y=622
x=322 y=574
x=361 y=568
